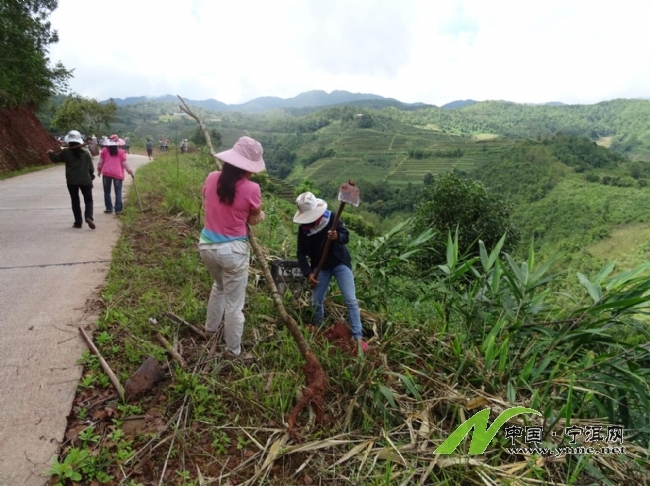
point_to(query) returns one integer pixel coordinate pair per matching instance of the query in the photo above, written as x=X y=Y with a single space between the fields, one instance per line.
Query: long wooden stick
x=107 y=369
x=203 y=129
x=292 y=325
x=170 y=349
x=314 y=393
x=178 y=320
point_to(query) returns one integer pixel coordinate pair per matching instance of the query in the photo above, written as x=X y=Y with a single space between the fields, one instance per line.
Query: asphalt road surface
x=48 y=273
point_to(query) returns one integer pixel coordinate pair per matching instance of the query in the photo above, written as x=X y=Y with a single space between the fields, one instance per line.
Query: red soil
x=339 y=334
x=23 y=140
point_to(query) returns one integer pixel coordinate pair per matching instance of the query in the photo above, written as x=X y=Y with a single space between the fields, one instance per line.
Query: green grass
x=437 y=346
x=26 y=170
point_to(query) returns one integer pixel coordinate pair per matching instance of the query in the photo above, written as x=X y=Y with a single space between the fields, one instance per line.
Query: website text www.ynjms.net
x=561 y=451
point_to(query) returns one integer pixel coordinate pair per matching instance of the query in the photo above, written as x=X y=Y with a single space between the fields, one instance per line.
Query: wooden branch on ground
x=178 y=320
x=314 y=393
x=203 y=129
x=107 y=369
x=316 y=380
x=168 y=347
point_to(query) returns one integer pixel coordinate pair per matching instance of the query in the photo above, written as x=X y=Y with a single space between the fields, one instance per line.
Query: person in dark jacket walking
x=79 y=175
x=149 y=149
x=316 y=227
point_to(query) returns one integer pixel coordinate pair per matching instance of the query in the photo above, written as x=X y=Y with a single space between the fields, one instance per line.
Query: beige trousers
x=228 y=265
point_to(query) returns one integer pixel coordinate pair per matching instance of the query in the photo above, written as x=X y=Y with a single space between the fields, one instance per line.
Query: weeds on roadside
x=478 y=332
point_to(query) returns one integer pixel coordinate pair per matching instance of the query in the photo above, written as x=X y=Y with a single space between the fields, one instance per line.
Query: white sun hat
x=73 y=136
x=310 y=208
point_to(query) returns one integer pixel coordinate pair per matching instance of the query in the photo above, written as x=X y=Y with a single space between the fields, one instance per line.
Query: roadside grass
x=26 y=170
x=442 y=348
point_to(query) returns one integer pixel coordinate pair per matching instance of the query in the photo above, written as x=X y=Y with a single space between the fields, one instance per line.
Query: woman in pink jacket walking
x=112 y=164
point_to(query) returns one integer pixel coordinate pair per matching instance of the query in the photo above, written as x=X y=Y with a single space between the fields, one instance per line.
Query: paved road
x=48 y=270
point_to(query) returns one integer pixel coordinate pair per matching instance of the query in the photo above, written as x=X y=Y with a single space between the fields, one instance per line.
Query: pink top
x=113 y=165
x=225 y=223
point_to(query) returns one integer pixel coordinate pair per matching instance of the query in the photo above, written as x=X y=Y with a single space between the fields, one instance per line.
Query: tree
x=450 y=202
x=84 y=114
x=198 y=139
x=26 y=76
x=307 y=185
x=365 y=121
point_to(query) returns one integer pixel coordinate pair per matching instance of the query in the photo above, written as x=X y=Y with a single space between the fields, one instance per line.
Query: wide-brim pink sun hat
x=245 y=154
x=118 y=141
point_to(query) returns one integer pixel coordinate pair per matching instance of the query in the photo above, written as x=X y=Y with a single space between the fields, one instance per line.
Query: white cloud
x=414 y=50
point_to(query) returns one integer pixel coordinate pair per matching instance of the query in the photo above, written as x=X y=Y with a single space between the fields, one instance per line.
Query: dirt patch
x=339 y=334
x=605 y=141
x=23 y=140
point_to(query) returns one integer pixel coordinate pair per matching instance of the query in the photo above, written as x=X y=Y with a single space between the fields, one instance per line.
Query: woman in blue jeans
x=316 y=226
x=112 y=164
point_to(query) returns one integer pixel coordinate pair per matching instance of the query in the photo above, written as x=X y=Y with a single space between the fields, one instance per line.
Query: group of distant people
x=164 y=146
x=93 y=143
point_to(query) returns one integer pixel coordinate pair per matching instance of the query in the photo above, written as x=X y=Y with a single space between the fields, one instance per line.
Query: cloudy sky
x=433 y=51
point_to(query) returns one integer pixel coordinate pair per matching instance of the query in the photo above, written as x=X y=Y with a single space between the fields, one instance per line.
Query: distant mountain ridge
x=454 y=105
x=308 y=99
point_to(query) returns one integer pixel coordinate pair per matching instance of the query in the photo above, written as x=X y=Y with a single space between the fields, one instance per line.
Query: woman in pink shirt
x=231 y=201
x=112 y=164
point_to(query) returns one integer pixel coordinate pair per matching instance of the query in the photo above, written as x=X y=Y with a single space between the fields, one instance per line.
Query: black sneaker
x=108 y=212
x=76 y=225
x=90 y=223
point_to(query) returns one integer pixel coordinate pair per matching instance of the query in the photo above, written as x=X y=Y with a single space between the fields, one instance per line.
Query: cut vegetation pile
x=475 y=333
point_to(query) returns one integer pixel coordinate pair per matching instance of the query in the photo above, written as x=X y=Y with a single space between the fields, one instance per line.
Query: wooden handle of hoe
x=76 y=146
x=328 y=243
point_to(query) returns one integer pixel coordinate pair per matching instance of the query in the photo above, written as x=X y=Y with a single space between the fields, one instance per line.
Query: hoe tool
x=348 y=194
x=138 y=194
x=71 y=148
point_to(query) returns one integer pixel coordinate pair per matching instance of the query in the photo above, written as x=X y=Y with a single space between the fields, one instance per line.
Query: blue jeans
x=345 y=279
x=107 y=193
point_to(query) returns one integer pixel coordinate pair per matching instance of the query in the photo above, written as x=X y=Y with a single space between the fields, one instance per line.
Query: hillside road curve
x=49 y=271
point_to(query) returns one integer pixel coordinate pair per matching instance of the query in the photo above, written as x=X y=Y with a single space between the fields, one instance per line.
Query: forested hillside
x=619 y=124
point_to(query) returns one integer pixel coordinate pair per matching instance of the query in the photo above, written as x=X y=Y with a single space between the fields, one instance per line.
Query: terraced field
x=383 y=154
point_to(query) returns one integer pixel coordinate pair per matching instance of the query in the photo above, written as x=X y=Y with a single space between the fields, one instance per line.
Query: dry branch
x=203 y=129
x=316 y=380
x=178 y=320
x=107 y=369
x=169 y=348
x=315 y=376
